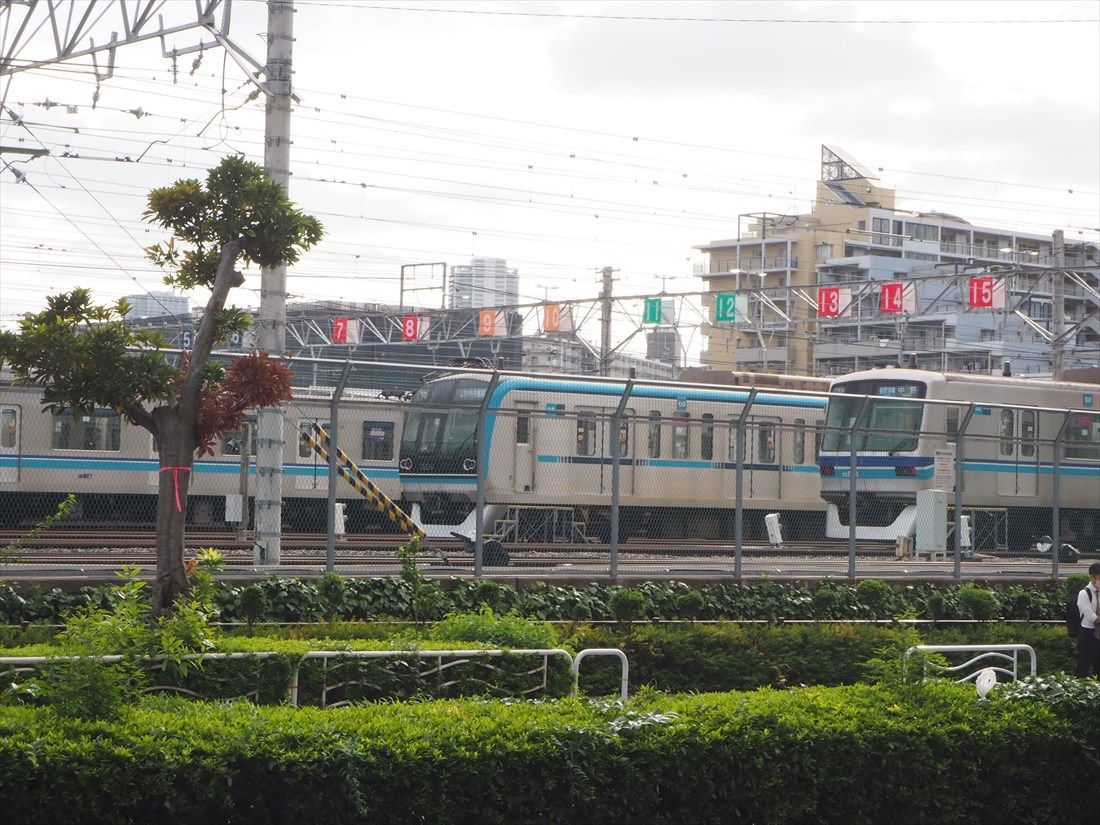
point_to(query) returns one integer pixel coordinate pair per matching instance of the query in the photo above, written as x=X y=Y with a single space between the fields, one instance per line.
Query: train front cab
x=438 y=461
x=892 y=462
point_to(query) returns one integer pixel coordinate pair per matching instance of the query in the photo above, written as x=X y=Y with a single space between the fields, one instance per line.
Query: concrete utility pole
x=605 y=323
x=1058 y=310
x=272 y=332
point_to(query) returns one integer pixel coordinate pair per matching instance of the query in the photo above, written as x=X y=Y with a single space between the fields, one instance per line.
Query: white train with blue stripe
x=906 y=440
x=548 y=457
x=112 y=465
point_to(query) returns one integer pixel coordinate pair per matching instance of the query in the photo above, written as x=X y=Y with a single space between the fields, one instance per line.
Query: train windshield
x=891 y=425
x=440 y=434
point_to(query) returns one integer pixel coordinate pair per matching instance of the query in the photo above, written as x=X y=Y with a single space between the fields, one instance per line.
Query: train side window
x=101 y=431
x=624 y=434
x=681 y=445
x=1083 y=437
x=1008 y=423
x=378 y=440
x=951 y=424
x=706 y=438
x=523 y=427
x=819 y=434
x=9 y=428
x=799 y=440
x=654 y=434
x=1027 y=433
x=586 y=434
x=305 y=429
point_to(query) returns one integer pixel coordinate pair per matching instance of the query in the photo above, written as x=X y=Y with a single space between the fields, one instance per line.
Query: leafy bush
x=977 y=602
x=627 y=604
x=834 y=755
x=332 y=590
x=488 y=628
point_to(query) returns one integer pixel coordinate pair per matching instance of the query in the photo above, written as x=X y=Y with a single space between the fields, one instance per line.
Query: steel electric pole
x=272 y=322
x=1058 y=309
x=605 y=322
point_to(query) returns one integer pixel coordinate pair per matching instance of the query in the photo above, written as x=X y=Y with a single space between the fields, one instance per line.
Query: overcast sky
x=563 y=136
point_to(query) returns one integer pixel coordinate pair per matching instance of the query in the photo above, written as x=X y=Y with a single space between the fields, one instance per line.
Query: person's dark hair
x=1094 y=568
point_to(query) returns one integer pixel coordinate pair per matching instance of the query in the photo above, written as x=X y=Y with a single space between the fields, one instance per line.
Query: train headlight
x=828 y=471
x=406 y=464
x=905 y=472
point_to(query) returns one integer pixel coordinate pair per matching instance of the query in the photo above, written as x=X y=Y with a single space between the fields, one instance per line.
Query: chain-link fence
x=964 y=475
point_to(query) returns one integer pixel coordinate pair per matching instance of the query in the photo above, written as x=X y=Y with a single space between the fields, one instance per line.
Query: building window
x=880 y=229
x=101 y=430
x=706 y=440
x=378 y=440
x=680 y=430
x=922 y=231
x=654 y=434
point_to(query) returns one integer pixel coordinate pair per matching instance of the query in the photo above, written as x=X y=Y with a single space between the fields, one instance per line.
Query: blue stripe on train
x=132 y=465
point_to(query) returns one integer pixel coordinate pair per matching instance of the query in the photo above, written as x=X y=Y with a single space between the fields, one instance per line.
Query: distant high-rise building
x=153 y=304
x=663 y=344
x=486 y=282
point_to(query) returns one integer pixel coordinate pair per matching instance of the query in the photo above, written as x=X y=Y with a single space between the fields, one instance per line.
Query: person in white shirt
x=1088 y=640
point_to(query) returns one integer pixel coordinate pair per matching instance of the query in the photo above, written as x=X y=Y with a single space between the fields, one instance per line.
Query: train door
x=523 y=455
x=589 y=449
x=764 y=458
x=315 y=476
x=9 y=444
x=1018 y=465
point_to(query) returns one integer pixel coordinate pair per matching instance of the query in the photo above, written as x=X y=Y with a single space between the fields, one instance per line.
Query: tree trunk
x=177 y=451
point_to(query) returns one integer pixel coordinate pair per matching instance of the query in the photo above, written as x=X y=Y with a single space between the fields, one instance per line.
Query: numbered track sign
x=652 y=312
x=986 y=292
x=490 y=322
x=834 y=302
x=551 y=318
x=897 y=296
x=726 y=306
x=187 y=339
x=410 y=327
x=339 y=330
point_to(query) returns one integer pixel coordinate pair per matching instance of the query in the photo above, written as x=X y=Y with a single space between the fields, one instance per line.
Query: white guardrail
x=10 y=665
x=994 y=652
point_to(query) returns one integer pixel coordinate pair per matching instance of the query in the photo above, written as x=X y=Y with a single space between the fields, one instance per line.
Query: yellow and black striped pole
x=351 y=473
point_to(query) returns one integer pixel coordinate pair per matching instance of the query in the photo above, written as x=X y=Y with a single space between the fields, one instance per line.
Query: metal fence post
x=1056 y=493
x=246 y=459
x=616 y=445
x=739 y=480
x=481 y=462
x=333 y=451
x=960 y=480
x=853 y=510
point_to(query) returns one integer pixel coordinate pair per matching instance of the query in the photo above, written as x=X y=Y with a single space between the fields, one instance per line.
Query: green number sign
x=725 y=306
x=652 y=313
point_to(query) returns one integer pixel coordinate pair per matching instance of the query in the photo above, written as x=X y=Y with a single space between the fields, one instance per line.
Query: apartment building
x=856 y=238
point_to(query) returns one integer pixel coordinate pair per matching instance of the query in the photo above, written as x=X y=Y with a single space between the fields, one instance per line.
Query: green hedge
x=847 y=755
x=296 y=600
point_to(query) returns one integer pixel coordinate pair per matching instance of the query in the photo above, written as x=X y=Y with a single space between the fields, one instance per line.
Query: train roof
x=930 y=376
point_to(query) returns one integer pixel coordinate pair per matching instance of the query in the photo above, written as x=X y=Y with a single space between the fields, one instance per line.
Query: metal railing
x=1009 y=654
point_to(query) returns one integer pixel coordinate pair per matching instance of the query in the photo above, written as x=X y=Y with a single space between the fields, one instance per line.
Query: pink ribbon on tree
x=176 y=482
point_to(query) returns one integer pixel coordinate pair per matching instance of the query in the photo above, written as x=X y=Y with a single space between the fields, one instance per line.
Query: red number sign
x=487 y=322
x=551 y=318
x=828 y=301
x=981 y=292
x=892 y=297
x=410 y=327
x=339 y=330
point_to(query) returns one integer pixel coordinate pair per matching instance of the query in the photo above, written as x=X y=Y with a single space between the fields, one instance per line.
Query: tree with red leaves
x=84 y=356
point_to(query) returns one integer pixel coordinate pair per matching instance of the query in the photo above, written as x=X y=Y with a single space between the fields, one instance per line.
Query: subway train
x=906 y=439
x=548 y=456
x=112 y=465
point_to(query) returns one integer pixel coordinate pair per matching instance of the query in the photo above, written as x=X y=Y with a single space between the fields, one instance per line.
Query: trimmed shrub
x=848 y=755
